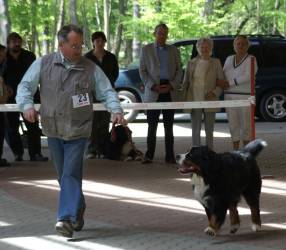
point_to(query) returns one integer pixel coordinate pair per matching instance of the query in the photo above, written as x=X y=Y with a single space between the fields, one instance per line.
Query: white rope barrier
x=154 y=105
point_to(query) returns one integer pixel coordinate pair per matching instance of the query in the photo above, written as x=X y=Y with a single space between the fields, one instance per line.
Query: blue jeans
x=67 y=157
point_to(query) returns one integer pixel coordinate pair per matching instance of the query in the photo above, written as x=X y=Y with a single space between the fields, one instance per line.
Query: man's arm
x=108 y=96
x=144 y=73
x=27 y=89
x=142 y=67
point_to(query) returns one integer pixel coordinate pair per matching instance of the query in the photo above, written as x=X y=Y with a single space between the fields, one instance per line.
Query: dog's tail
x=255 y=147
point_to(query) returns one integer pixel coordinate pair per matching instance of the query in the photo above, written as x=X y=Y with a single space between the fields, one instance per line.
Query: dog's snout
x=178 y=157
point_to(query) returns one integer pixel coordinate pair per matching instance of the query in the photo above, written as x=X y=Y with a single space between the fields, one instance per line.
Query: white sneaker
x=64 y=228
x=90 y=156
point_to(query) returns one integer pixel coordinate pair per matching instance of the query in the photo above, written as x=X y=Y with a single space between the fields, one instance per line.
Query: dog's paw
x=234 y=228
x=128 y=158
x=256 y=228
x=138 y=158
x=210 y=231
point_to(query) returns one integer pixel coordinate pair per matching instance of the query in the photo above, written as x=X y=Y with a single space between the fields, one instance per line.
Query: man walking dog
x=67 y=83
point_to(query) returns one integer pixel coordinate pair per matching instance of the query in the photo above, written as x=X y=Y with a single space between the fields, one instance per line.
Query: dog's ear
x=210 y=165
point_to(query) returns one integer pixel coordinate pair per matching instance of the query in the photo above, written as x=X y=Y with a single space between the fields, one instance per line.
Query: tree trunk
x=242 y=24
x=158 y=6
x=34 y=29
x=97 y=16
x=45 y=42
x=38 y=45
x=136 y=42
x=258 y=16
x=73 y=16
x=5 y=24
x=284 y=19
x=85 y=27
x=106 y=22
x=60 y=21
x=128 y=52
x=275 y=21
x=119 y=28
x=208 y=8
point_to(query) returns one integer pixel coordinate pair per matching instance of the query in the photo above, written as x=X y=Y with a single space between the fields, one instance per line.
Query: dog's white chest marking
x=199 y=188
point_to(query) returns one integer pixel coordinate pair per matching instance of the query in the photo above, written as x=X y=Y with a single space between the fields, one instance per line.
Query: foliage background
x=129 y=23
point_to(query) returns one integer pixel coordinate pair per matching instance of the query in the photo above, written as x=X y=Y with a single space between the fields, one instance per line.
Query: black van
x=270 y=52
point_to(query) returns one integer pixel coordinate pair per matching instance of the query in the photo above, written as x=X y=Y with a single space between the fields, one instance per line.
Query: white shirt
x=198 y=87
x=238 y=75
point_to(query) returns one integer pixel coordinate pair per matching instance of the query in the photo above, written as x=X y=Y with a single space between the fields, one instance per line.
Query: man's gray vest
x=57 y=86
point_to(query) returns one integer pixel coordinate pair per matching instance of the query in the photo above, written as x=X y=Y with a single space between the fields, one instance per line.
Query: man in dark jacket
x=100 y=126
x=3 y=98
x=18 y=60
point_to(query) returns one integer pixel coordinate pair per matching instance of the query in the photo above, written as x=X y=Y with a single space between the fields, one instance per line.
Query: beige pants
x=209 y=120
x=239 y=119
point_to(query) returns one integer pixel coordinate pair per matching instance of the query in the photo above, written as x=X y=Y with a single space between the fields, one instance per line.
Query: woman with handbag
x=199 y=84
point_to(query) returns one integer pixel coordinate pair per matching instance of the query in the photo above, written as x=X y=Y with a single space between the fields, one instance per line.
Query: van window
x=223 y=49
x=274 y=54
x=256 y=51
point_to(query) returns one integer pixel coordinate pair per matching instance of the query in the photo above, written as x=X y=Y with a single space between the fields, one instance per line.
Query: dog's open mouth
x=185 y=169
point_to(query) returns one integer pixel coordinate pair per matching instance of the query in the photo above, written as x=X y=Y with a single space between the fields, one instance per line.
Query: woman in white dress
x=199 y=84
x=238 y=87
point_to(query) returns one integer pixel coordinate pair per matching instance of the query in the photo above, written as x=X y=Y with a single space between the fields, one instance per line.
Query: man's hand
x=118 y=118
x=252 y=100
x=222 y=83
x=162 y=89
x=165 y=88
x=210 y=96
x=31 y=115
x=156 y=88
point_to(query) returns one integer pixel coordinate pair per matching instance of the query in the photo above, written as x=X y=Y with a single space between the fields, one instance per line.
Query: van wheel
x=126 y=96
x=273 y=106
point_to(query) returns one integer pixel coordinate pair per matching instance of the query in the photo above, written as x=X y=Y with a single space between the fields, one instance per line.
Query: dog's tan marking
x=234 y=219
x=213 y=228
x=255 y=217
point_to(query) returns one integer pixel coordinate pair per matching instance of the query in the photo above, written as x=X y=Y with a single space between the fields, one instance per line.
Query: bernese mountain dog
x=220 y=179
x=120 y=145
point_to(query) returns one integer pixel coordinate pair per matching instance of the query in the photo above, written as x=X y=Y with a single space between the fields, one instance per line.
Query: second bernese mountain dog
x=220 y=179
x=120 y=145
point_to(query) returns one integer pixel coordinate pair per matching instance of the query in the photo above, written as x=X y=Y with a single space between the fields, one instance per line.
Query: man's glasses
x=77 y=47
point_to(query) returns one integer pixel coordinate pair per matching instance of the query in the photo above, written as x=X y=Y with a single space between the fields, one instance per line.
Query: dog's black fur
x=220 y=179
x=120 y=145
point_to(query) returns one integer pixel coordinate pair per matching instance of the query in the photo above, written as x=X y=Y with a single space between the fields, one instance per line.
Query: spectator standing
x=18 y=61
x=68 y=82
x=161 y=73
x=237 y=87
x=199 y=84
x=3 y=99
x=101 y=119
